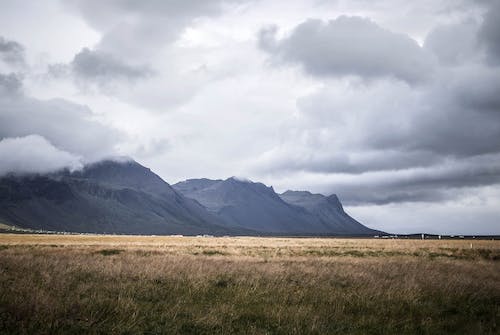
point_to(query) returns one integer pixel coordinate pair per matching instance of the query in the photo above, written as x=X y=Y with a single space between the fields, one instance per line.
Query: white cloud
x=34 y=154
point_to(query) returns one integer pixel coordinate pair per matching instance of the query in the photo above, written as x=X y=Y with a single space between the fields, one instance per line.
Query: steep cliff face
x=250 y=205
x=329 y=210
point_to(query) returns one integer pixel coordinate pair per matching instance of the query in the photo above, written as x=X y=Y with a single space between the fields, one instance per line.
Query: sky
x=392 y=105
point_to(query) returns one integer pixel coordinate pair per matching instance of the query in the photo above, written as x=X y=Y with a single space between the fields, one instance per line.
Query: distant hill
x=254 y=206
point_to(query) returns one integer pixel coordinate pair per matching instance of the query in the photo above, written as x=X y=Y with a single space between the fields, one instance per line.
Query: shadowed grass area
x=110 y=252
x=247 y=286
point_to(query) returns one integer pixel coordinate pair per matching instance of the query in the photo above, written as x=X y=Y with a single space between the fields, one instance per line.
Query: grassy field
x=55 y=284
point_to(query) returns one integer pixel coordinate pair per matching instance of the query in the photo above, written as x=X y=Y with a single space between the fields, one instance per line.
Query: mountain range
x=245 y=204
x=125 y=197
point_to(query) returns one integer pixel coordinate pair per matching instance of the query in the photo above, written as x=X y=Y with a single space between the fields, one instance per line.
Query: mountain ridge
x=329 y=209
x=105 y=197
x=246 y=203
x=125 y=197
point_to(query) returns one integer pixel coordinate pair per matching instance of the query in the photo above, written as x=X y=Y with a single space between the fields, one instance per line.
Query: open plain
x=102 y=284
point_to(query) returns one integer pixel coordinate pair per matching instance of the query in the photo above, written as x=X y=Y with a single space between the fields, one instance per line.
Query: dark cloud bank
x=11 y=52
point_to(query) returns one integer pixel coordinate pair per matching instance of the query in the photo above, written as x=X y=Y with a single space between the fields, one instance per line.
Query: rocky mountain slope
x=125 y=197
x=106 y=197
x=254 y=206
x=329 y=210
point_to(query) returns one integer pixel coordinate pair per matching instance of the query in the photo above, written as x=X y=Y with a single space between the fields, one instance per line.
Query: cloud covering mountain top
x=34 y=154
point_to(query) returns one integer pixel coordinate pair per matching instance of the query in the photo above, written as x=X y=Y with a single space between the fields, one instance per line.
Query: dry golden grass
x=134 y=284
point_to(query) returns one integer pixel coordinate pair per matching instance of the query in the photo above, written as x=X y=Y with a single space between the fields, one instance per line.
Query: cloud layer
x=34 y=154
x=67 y=126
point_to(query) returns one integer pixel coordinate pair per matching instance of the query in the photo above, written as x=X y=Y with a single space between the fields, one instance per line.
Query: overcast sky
x=393 y=105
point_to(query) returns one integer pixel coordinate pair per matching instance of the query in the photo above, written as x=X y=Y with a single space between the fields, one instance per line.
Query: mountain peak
x=329 y=209
x=124 y=173
x=195 y=184
x=253 y=205
x=108 y=167
x=256 y=186
x=334 y=200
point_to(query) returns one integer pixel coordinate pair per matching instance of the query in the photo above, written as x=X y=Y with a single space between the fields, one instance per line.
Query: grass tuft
x=110 y=252
x=213 y=252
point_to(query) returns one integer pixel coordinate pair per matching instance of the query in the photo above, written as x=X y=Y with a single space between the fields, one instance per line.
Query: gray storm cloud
x=453 y=44
x=10 y=84
x=489 y=34
x=447 y=181
x=138 y=28
x=349 y=46
x=102 y=67
x=132 y=36
x=11 y=52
